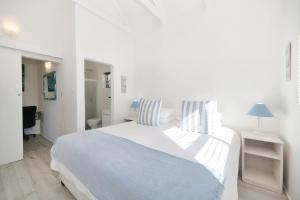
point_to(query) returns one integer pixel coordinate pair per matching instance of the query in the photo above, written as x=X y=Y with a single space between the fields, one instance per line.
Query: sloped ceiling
x=132 y=14
x=109 y=9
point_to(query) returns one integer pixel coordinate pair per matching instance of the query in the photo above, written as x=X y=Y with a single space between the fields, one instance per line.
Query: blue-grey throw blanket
x=114 y=168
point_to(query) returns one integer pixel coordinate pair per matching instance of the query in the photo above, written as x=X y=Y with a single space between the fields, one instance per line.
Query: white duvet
x=219 y=151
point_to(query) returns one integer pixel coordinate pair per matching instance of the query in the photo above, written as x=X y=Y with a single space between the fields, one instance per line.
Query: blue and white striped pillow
x=149 y=112
x=198 y=116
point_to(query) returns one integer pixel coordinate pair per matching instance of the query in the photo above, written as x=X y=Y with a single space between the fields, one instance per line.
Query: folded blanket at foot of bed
x=116 y=168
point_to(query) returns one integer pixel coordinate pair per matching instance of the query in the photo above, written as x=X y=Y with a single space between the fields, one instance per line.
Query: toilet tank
x=106 y=117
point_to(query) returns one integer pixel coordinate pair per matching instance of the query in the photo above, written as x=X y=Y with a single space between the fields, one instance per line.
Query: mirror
x=49 y=86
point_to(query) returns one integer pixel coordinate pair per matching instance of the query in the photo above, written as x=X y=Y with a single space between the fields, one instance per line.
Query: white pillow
x=198 y=116
x=166 y=115
x=149 y=112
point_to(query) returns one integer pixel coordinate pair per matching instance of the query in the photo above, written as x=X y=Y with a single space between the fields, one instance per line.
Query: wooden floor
x=248 y=192
x=32 y=178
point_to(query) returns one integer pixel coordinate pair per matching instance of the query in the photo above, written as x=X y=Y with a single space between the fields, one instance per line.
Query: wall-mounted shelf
x=107 y=79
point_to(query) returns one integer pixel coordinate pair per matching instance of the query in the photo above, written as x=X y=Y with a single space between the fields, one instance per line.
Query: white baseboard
x=287 y=193
x=47 y=138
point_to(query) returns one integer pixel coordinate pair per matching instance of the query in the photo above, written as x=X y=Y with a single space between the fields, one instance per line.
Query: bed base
x=79 y=195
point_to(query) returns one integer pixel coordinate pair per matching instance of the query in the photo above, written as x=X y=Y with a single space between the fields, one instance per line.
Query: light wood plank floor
x=248 y=192
x=32 y=178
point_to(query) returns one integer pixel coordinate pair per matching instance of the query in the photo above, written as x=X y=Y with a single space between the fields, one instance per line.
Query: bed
x=218 y=152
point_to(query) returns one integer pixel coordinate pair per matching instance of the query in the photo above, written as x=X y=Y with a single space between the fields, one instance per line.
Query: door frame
x=112 y=87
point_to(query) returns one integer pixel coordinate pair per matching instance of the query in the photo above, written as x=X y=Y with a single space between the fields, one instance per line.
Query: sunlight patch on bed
x=214 y=155
x=224 y=134
x=183 y=139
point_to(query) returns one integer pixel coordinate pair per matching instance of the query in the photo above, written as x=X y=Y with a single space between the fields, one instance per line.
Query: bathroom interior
x=97 y=94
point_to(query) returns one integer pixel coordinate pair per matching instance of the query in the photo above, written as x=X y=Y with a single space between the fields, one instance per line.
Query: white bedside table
x=262 y=160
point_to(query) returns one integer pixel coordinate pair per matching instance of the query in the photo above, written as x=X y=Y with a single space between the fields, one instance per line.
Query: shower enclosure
x=90 y=98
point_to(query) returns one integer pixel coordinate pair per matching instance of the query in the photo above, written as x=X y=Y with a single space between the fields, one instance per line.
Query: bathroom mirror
x=49 y=86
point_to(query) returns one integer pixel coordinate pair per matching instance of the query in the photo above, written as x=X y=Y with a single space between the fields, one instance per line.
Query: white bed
x=218 y=152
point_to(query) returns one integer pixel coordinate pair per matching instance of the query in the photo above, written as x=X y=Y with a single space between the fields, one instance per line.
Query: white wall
x=53 y=112
x=290 y=95
x=232 y=51
x=31 y=95
x=224 y=50
x=48 y=25
x=101 y=41
x=38 y=21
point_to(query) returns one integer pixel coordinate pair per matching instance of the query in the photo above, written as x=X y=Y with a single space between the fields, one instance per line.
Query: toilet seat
x=93 y=122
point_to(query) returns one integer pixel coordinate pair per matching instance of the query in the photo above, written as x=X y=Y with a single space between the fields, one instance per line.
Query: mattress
x=219 y=151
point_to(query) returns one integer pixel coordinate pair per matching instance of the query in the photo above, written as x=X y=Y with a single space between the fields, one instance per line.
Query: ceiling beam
x=121 y=13
x=84 y=4
x=155 y=10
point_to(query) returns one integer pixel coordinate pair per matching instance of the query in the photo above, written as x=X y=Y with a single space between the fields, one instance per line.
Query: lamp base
x=259 y=123
x=258 y=131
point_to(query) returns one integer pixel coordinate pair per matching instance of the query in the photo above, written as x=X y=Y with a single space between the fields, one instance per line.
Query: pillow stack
x=166 y=115
x=149 y=112
x=198 y=116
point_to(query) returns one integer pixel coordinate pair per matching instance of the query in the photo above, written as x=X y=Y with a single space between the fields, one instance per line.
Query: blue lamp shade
x=260 y=110
x=135 y=104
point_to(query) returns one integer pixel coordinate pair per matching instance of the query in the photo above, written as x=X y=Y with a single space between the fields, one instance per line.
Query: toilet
x=93 y=123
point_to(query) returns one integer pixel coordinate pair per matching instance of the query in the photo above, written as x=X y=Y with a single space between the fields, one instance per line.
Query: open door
x=11 y=136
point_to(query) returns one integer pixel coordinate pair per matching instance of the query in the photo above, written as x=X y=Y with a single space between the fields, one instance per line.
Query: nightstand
x=262 y=160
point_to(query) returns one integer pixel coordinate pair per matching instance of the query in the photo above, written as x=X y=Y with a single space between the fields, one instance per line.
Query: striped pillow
x=198 y=116
x=149 y=112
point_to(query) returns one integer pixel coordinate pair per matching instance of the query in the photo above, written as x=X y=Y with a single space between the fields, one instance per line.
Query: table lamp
x=135 y=105
x=260 y=110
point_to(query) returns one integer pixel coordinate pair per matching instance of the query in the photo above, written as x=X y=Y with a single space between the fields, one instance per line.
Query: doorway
x=31 y=97
x=16 y=94
x=98 y=94
x=41 y=99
